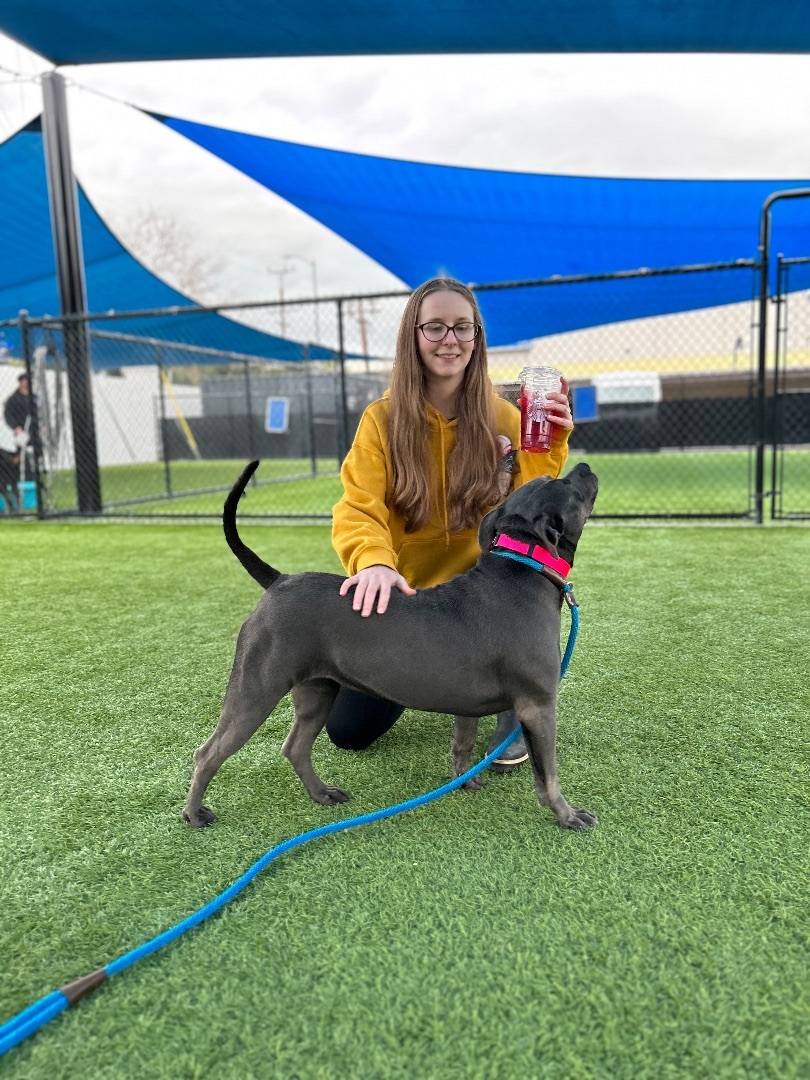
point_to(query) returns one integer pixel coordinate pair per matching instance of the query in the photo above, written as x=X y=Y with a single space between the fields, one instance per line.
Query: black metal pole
x=779 y=343
x=343 y=447
x=35 y=441
x=761 y=418
x=313 y=458
x=67 y=243
x=164 y=431
x=249 y=407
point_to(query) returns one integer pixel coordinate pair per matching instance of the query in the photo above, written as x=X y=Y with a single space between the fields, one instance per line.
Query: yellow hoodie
x=366 y=530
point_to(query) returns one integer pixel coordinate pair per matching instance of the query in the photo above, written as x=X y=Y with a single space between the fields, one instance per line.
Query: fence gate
x=789 y=396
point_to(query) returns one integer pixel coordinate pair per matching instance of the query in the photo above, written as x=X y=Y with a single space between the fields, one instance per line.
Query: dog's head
x=545 y=511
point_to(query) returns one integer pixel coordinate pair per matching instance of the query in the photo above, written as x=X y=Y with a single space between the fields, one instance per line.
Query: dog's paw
x=329 y=796
x=201 y=819
x=475 y=783
x=577 y=818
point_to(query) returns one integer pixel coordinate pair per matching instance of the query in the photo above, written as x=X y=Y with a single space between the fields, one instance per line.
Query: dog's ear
x=550 y=531
x=488 y=529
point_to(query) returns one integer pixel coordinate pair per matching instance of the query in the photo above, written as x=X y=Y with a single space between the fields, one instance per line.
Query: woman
x=429 y=459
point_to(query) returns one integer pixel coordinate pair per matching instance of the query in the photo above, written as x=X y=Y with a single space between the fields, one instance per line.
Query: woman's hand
x=374 y=583
x=557 y=408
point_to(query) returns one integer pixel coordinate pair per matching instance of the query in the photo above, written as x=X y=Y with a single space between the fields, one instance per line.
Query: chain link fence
x=135 y=417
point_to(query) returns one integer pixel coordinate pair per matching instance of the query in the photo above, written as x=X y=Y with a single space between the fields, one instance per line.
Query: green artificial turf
x=146 y=485
x=678 y=483
x=469 y=938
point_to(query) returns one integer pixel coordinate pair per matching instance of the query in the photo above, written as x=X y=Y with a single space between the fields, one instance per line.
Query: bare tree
x=168 y=248
x=170 y=251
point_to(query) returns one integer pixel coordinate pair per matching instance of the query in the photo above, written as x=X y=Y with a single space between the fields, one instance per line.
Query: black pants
x=357 y=720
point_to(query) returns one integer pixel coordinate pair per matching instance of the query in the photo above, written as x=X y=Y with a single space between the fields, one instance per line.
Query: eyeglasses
x=438 y=331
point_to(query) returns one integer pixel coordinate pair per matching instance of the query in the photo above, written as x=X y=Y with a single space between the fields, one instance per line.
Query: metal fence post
x=780 y=336
x=343 y=443
x=310 y=413
x=36 y=441
x=70 y=279
x=164 y=439
x=249 y=407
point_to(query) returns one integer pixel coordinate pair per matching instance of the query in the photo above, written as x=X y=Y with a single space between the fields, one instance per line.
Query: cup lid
x=542 y=372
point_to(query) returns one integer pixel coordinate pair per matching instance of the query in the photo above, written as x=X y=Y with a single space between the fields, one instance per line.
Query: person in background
x=428 y=461
x=17 y=410
x=18 y=414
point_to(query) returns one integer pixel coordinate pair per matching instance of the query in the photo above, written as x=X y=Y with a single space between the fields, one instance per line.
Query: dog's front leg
x=313 y=702
x=465 y=729
x=539 y=724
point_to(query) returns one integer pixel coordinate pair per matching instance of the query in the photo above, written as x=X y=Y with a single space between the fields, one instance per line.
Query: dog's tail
x=256 y=567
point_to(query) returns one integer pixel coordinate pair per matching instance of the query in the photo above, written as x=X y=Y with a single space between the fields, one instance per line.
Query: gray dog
x=484 y=642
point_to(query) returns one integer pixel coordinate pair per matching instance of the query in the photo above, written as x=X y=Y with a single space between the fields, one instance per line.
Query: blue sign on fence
x=586 y=407
x=277 y=415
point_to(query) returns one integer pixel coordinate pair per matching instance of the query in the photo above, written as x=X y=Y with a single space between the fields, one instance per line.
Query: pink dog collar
x=537 y=553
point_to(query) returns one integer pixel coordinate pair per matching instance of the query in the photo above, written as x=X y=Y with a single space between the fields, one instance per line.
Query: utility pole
x=358 y=312
x=314 y=268
x=281 y=274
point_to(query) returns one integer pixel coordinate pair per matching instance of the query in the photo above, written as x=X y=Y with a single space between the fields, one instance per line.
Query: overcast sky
x=652 y=116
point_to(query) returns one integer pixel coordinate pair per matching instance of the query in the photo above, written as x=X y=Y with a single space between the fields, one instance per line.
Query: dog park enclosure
x=668 y=409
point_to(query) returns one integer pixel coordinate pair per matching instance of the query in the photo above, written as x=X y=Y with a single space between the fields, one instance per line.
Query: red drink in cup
x=536 y=430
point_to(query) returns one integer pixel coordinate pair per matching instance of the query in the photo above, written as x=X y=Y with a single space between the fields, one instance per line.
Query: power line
x=19 y=76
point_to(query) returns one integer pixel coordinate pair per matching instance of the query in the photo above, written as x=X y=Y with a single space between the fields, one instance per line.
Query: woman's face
x=446 y=359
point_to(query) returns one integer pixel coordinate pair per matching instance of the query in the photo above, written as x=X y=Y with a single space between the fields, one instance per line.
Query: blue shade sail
x=482 y=225
x=115 y=280
x=101 y=31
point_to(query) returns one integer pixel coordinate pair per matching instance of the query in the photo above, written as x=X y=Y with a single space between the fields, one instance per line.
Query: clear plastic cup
x=536 y=430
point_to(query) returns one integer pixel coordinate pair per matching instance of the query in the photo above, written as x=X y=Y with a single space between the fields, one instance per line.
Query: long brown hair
x=472 y=485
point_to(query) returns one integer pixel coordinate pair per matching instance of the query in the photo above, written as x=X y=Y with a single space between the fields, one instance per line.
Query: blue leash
x=37 y=1015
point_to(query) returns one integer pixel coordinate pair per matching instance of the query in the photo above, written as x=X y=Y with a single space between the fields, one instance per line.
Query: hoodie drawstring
x=444 y=485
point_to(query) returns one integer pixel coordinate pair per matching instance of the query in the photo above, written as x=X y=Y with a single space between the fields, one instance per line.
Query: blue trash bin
x=28 y=495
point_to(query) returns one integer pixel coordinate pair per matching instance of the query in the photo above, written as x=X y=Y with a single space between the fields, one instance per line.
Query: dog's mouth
x=584 y=480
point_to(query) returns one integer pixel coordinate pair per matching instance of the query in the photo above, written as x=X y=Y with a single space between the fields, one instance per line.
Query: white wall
x=126 y=410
